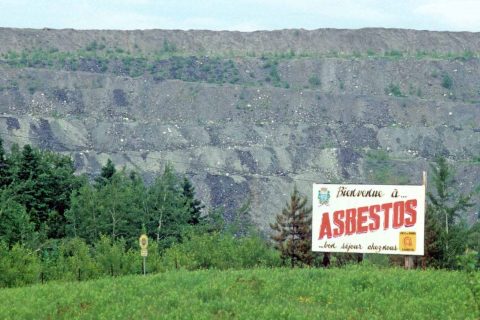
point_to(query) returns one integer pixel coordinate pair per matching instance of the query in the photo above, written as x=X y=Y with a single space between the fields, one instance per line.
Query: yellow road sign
x=144 y=252
x=143 y=241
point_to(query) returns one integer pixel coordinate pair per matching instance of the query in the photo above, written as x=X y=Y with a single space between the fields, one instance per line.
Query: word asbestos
x=368 y=219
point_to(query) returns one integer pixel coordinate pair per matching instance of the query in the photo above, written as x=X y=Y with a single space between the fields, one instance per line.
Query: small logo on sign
x=408 y=241
x=323 y=196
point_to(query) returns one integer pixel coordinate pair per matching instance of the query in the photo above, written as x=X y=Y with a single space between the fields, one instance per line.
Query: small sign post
x=144 y=251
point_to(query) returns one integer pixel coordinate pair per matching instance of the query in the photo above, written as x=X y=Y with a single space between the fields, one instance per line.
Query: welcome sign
x=385 y=219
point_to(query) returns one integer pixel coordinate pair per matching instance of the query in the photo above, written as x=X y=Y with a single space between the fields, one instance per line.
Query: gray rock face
x=360 y=106
x=214 y=42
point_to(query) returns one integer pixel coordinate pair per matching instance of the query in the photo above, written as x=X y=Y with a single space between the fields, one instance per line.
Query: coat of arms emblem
x=323 y=196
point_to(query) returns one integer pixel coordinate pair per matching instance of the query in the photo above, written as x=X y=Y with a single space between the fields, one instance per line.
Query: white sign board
x=368 y=218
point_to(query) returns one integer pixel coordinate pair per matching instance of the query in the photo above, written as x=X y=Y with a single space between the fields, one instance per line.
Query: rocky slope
x=248 y=115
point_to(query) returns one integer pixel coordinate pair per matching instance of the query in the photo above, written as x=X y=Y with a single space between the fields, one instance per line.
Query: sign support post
x=409 y=259
x=144 y=251
x=144 y=265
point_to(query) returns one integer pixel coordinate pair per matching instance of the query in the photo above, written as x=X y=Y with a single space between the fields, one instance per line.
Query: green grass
x=350 y=293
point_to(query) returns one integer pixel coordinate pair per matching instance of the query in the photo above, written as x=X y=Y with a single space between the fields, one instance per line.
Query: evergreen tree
x=195 y=206
x=434 y=244
x=293 y=231
x=43 y=181
x=106 y=174
x=5 y=178
x=444 y=228
x=29 y=164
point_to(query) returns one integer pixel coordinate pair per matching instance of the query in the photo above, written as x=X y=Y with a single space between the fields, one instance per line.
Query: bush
x=113 y=259
x=220 y=251
x=469 y=261
x=314 y=81
x=75 y=261
x=447 y=81
x=18 y=266
x=394 y=89
x=394 y=54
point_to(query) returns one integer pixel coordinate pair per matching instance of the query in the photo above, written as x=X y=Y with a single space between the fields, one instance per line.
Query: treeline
x=57 y=225
x=42 y=199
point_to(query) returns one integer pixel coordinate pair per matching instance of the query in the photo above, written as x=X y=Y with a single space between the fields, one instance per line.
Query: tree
x=293 y=231
x=5 y=177
x=122 y=205
x=434 y=244
x=194 y=205
x=43 y=181
x=115 y=210
x=15 y=225
x=167 y=212
x=106 y=174
x=241 y=224
x=29 y=163
x=444 y=227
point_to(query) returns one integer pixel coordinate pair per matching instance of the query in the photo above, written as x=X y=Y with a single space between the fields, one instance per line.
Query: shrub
x=394 y=54
x=314 y=81
x=220 y=251
x=75 y=261
x=394 y=89
x=18 y=266
x=447 y=81
x=469 y=261
x=112 y=258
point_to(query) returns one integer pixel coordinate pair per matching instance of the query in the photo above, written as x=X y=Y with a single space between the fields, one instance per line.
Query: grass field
x=355 y=292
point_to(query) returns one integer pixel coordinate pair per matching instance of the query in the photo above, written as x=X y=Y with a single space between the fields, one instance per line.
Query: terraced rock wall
x=248 y=115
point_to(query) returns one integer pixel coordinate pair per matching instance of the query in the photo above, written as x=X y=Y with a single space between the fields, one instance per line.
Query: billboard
x=384 y=219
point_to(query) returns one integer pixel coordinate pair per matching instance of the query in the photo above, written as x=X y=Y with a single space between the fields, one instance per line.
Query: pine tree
x=26 y=186
x=43 y=181
x=29 y=164
x=195 y=206
x=106 y=174
x=293 y=231
x=434 y=246
x=5 y=178
x=444 y=214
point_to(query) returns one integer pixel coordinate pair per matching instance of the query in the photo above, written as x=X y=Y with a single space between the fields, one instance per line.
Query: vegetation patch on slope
x=355 y=292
